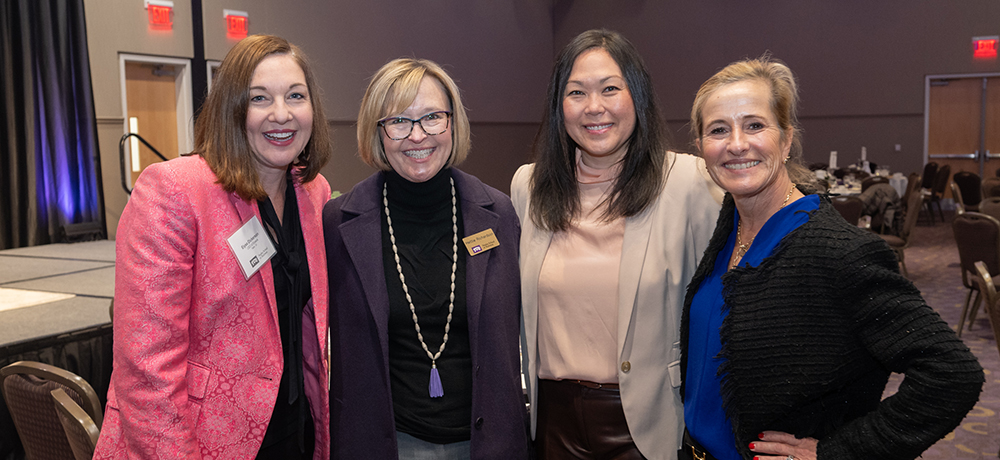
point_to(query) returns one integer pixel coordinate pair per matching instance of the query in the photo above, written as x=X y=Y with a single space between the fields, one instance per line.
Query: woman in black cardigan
x=795 y=318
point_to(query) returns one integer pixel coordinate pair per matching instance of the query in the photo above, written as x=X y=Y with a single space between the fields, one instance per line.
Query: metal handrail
x=121 y=156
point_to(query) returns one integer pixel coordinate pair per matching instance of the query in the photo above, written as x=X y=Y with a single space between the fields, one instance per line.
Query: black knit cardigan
x=814 y=331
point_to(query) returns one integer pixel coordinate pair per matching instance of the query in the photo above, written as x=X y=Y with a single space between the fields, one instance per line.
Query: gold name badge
x=481 y=242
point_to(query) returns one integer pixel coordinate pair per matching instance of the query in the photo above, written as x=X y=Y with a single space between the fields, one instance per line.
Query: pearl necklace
x=435 y=388
x=741 y=249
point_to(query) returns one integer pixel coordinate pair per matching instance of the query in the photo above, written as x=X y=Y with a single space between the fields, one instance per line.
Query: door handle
x=956 y=156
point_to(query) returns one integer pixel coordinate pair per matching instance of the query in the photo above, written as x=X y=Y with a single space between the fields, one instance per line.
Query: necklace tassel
x=435 y=387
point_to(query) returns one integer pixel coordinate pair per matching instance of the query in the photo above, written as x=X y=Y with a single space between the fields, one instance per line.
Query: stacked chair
x=57 y=413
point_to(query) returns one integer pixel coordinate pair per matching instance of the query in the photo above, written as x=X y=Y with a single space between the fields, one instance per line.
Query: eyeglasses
x=399 y=128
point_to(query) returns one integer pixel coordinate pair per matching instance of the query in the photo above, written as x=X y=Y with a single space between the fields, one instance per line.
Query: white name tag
x=251 y=246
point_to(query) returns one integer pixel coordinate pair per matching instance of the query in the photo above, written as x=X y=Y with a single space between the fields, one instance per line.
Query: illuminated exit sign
x=160 y=13
x=985 y=47
x=237 y=23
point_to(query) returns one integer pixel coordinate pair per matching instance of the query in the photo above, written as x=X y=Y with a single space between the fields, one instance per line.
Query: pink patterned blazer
x=197 y=353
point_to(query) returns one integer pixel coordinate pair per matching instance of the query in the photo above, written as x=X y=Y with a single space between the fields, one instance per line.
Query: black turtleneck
x=421 y=221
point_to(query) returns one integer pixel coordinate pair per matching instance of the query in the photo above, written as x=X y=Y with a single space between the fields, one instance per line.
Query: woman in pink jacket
x=218 y=349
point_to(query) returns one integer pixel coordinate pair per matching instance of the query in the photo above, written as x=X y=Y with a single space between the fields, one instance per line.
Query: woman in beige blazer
x=601 y=352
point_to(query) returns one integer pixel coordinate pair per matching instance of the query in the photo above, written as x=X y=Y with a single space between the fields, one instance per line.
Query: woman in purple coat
x=425 y=292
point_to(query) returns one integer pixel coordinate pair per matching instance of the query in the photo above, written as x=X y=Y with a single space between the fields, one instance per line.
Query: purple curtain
x=49 y=164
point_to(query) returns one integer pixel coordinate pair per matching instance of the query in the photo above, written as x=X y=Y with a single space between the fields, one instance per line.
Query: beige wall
x=860 y=65
x=498 y=52
x=115 y=27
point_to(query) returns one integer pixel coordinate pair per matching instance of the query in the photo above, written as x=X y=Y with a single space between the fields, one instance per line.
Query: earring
x=786 y=160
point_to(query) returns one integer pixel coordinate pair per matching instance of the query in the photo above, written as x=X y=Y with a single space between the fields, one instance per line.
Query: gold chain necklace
x=741 y=249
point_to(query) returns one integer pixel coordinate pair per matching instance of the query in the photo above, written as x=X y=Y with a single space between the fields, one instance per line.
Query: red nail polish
x=760 y=436
x=751 y=446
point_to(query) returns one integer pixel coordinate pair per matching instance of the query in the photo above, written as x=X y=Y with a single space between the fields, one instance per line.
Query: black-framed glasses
x=399 y=128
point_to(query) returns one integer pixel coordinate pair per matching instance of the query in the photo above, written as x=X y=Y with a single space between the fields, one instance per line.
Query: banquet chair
x=937 y=191
x=978 y=239
x=80 y=429
x=881 y=204
x=970 y=186
x=900 y=242
x=850 y=207
x=959 y=201
x=872 y=181
x=991 y=297
x=930 y=170
x=990 y=206
x=913 y=185
x=27 y=388
x=990 y=187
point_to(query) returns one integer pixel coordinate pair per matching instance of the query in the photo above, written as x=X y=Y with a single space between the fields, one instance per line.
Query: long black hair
x=554 y=194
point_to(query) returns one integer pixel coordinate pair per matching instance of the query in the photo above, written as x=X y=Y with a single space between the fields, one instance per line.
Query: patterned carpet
x=932 y=262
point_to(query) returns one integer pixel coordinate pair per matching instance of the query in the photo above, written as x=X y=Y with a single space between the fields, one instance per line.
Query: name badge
x=481 y=242
x=251 y=246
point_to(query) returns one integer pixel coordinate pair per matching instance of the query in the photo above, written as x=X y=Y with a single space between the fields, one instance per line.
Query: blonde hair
x=392 y=89
x=784 y=104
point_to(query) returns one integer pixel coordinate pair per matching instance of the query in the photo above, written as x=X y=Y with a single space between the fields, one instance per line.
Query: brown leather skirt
x=582 y=420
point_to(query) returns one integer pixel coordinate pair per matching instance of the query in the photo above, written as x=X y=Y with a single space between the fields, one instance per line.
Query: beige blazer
x=660 y=252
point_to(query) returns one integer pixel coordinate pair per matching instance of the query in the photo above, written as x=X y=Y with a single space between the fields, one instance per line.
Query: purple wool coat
x=361 y=420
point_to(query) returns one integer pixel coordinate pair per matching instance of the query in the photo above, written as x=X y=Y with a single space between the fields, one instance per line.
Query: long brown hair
x=220 y=133
x=555 y=200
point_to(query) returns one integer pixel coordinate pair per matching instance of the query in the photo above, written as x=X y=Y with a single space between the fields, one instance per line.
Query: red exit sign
x=160 y=13
x=237 y=23
x=985 y=47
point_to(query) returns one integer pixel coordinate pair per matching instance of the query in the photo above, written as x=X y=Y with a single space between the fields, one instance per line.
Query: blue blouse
x=703 y=412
